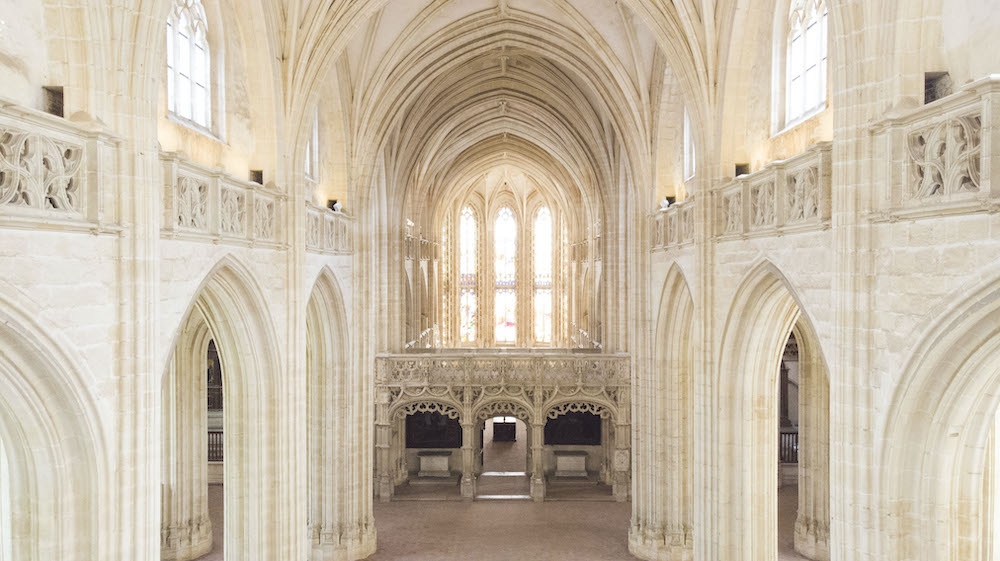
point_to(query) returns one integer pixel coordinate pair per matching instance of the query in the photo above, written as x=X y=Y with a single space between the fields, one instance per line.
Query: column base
x=385 y=488
x=180 y=543
x=538 y=489
x=468 y=487
x=329 y=547
x=659 y=546
x=812 y=539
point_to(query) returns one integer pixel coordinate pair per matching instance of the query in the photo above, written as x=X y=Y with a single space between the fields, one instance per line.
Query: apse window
x=805 y=60
x=189 y=96
x=468 y=249
x=543 y=275
x=689 y=155
x=505 y=269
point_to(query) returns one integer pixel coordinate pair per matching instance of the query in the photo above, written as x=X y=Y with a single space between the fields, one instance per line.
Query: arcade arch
x=51 y=438
x=765 y=311
x=939 y=462
x=229 y=310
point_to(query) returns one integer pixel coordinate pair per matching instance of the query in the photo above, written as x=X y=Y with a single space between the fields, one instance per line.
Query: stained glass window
x=805 y=65
x=189 y=63
x=543 y=275
x=505 y=267
x=468 y=302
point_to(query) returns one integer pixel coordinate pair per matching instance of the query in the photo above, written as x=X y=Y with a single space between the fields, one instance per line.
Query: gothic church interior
x=671 y=280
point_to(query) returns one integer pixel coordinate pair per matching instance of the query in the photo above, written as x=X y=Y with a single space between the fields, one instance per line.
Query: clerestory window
x=189 y=95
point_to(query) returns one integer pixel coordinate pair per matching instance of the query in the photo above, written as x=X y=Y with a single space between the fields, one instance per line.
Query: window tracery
x=189 y=63
x=805 y=59
x=505 y=269
x=468 y=300
x=543 y=275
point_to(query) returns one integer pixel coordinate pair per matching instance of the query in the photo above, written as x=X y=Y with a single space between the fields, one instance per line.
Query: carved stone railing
x=421 y=248
x=533 y=385
x=784 y=197
x=208 y=204
x=56 y=173
x=328 y=231
x=940 y=158
x=673 y=226
x=493 y=367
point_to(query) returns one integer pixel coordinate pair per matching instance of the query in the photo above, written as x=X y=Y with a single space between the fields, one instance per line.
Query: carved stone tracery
x=945 y=158
x=39 y=172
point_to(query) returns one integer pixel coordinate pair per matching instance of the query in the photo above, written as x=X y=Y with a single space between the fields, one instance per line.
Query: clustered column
x=186 y=530
x=812 y=524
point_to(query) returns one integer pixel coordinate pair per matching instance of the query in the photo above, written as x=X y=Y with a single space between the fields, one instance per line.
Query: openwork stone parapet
x=673 y=226
x=503 y=369
x=328 y=231
x=202 y=204
x=478 y=385
x=56 y=173
x=784 y=197
x=940 y=158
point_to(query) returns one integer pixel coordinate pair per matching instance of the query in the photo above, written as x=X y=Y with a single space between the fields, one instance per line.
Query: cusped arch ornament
x=426 y=406
x=593 y=407
x=503 y=408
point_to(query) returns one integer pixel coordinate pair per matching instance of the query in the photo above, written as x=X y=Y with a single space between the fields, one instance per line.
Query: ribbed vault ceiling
x=448 y=90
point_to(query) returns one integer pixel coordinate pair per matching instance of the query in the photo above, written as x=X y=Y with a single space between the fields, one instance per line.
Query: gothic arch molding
x=52 y=436
x=765 y=310
x=232 y=305
x=663 y=507
x=935 y=437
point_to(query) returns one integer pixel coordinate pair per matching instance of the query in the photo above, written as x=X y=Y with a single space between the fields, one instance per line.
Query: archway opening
x=229 y=311
x=579 y=446
x=503 y=455
x=765 y=315
x=193 y=448
x=941 y=458
x=504 y=445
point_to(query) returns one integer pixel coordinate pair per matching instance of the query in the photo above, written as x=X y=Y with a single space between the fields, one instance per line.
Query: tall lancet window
x=805 y=65
x=468 y=302
x=505 y=267
x=543 y=275
x=189 y=93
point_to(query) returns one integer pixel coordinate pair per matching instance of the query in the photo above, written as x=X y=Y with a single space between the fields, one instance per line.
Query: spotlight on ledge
x=333 y=205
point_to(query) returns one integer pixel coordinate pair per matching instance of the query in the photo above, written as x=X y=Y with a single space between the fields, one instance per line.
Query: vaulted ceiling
x=445 y=91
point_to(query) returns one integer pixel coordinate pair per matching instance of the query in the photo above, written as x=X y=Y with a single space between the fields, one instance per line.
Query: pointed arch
x=662 y=512
x=765 y=311
x=337 y=517
x=52 y=436
x=935 y=436
x=232 y=305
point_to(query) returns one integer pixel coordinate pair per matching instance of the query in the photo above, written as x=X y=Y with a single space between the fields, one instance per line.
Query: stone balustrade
x=56 y=173
x=673 y=226
x=328 y=231
x=786 y=196
x=940 y=158
x=207 y=204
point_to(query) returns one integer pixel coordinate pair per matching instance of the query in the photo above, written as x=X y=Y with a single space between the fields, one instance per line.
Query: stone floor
x=216 y=510
x=504 y=531
x=505 y=456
